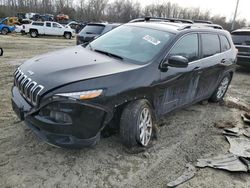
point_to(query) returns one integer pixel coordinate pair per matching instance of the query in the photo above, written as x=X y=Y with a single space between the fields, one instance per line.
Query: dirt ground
x=188 y=134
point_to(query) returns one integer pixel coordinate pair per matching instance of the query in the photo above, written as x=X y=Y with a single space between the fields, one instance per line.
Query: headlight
x=83 y=95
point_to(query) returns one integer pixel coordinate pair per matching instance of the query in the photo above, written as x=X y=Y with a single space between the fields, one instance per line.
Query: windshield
x=241 y=38
x=134 y=43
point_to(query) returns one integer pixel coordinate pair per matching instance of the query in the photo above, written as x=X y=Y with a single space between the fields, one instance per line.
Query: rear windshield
x=92 y=29
x=241 y=38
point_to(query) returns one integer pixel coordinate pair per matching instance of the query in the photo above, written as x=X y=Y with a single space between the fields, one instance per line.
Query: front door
x=57 y=29
x=178 y=85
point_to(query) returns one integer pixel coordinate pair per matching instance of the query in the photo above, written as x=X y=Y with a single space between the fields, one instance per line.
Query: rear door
x=178 y=85
x=48 y=28
x=210 y=67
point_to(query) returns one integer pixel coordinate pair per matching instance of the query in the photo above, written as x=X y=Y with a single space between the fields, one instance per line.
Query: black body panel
x=79 y=69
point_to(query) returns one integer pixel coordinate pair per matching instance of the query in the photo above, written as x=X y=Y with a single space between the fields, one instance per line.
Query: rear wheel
x=221 y=89
x=5 y=31
x=67 y=35
x=33 y=33
x=137 y=124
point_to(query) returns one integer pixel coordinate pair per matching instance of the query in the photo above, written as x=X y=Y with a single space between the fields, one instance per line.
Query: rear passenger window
x=187 y=47
x=224 y=43
x=48 y=24
x=210 y=45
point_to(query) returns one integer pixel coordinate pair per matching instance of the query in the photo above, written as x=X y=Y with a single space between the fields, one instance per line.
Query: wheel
x=23 y=32
x=67 y=35
x=33 y=33
x=5 y=31
x=221 y=89
x=137 y=124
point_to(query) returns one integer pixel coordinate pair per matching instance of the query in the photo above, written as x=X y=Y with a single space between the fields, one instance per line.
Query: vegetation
x=112 y=11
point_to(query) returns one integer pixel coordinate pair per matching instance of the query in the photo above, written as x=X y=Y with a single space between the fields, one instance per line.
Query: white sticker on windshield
x=152 y=40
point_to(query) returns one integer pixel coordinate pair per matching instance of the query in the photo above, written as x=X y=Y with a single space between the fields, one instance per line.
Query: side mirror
x=175 y=61
x=1 y=52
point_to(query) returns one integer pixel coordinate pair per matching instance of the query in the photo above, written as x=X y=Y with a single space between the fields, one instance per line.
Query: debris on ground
x=187 y=175
x=247 y=132
x=239 y=146
x=232 y=102
x=228 y=162
x=224 y=124
x=236 y=131
x=246 y=117
x=246 y=161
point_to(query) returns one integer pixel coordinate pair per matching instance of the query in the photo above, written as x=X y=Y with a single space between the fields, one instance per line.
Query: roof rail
x=203 y=21
x=148 y=18
x=199 y=25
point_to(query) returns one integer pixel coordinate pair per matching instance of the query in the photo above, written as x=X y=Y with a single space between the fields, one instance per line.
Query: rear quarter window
x=38 y=23
x=225 y=45
x=210 y=44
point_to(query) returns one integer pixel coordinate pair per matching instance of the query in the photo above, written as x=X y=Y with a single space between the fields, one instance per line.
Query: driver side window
x=187 y=47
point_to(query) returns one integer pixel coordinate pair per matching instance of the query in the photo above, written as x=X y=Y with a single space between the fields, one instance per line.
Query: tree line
x=115 y=11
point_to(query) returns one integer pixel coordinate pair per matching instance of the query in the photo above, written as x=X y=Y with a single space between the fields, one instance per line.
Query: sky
x=217 y=7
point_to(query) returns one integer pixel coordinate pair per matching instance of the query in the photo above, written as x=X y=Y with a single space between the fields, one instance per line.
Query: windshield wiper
x=109 y=54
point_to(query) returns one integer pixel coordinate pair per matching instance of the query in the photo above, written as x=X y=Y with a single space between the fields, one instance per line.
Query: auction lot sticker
x=151 y=40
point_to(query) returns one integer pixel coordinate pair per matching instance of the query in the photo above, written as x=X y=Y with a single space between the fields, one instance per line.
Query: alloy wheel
x=145 y=126
x=223 y=87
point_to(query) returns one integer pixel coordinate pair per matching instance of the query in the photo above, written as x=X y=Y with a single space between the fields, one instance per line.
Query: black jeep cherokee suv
x=136 y=73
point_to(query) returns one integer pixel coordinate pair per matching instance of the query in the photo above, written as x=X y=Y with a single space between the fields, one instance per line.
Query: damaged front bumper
x=61 y=121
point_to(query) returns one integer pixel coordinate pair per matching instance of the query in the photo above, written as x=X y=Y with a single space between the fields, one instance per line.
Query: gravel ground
x=186 y=135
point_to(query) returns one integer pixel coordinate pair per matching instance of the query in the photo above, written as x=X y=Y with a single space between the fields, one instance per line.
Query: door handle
x=223 y=61
x=198 y=69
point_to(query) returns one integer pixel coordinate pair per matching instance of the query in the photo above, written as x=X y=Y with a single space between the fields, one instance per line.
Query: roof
x=174 y=25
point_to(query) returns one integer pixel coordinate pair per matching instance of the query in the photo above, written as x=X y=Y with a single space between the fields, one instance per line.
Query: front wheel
x=137 y=124
x=221 y=89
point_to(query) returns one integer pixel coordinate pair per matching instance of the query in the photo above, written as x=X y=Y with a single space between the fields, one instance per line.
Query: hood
x=71 y=65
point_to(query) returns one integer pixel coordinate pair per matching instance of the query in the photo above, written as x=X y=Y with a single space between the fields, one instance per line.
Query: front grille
x=29 y=89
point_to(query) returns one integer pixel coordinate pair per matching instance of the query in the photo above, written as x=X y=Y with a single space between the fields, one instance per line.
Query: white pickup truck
x=49 y=28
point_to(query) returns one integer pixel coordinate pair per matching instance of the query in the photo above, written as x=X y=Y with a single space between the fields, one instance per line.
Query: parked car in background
x=241 y=39
x=5 y=28
x=76 y=26
x=21 y=27
x=135 y=74
x=93 y=30
x=37 y=28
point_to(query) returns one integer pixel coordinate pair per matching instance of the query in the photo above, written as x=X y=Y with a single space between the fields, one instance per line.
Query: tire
x=5 y=31
x=67 y=35
x=221 y=90
x=133 y=131
x=33 y=33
